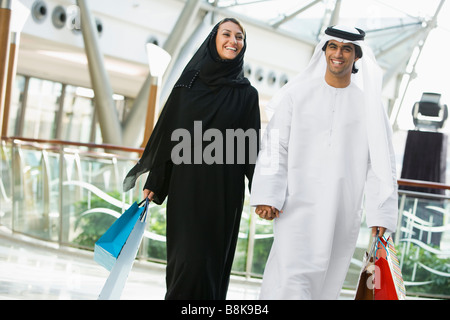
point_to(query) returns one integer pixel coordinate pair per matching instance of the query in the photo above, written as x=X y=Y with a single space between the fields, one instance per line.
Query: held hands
x=267 y=212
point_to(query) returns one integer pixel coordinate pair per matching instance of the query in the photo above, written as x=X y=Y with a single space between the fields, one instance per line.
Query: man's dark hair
x=358 y=54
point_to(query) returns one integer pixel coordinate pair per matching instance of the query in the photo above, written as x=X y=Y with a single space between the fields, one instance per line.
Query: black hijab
x=186 y=105
x=208 y=66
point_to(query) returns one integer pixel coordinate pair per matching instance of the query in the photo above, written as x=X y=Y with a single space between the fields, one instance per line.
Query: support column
x=104 y=103
x=5 y=19
x=334 y=20
x=151 y=108
x=135 y=120
x=173 y=42
x=10 y=76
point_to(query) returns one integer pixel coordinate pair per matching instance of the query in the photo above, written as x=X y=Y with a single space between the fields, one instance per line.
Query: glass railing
x=70 y=193
x=423 y=239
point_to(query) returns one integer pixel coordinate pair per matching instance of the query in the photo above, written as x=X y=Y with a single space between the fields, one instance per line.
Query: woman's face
x=229 y=40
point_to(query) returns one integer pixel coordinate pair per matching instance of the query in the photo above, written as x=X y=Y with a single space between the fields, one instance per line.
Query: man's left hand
x=381 y=231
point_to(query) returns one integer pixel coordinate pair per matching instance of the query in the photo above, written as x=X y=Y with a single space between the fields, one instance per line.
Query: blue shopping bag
x=108 y=247
x=114 y=285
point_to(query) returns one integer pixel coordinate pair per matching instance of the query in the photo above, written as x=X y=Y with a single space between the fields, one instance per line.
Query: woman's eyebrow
x=239 y=32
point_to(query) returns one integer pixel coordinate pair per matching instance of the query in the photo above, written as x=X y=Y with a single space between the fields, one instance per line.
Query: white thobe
x=314 y=164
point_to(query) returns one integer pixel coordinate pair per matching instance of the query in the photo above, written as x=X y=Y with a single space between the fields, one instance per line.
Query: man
x=327 y=145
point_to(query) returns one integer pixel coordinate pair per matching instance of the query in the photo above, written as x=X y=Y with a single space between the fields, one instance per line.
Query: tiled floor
x=30 y=269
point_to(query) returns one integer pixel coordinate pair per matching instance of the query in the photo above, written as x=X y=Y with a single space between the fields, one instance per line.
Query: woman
x=204 y=201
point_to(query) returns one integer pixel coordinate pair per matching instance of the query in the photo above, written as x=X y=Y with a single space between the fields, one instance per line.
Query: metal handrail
x=77 y=144
x=422 y=184
x=110 y=147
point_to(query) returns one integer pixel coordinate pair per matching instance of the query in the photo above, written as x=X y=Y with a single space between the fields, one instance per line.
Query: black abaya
x=204 y=201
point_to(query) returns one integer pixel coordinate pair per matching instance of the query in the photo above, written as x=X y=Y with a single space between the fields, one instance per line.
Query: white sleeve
x=269 y=185
x=380 y=212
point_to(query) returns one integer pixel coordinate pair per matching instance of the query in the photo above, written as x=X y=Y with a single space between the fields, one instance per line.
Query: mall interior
x=80 y=81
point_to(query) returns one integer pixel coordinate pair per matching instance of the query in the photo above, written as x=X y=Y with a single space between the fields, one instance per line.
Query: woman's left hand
x=148 y=194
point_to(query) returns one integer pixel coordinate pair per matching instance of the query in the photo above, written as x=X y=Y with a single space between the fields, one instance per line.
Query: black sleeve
x=158 y=181
x=253 y=121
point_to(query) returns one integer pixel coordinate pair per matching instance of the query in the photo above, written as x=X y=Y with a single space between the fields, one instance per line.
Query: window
x=45 y=109
x=43 y=98
x=15 y=108
x=77 y=114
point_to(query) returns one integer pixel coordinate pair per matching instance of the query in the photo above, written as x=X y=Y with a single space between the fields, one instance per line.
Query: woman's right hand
x=148 y=194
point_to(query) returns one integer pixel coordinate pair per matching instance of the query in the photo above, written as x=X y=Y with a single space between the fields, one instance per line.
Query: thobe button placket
x=333 y=109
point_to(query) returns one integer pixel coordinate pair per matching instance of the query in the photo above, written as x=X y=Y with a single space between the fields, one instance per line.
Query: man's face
x=340 y=58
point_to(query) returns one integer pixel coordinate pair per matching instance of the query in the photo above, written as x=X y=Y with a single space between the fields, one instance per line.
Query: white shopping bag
x=112 y=290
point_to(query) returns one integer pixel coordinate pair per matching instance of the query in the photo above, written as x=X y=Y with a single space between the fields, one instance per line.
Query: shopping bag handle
x=387 y=245
x=374 y=247
x=143 y=215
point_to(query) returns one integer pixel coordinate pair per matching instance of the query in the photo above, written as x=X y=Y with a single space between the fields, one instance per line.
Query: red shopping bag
x=380 y=277
x=384 y=288
x=388 y=277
